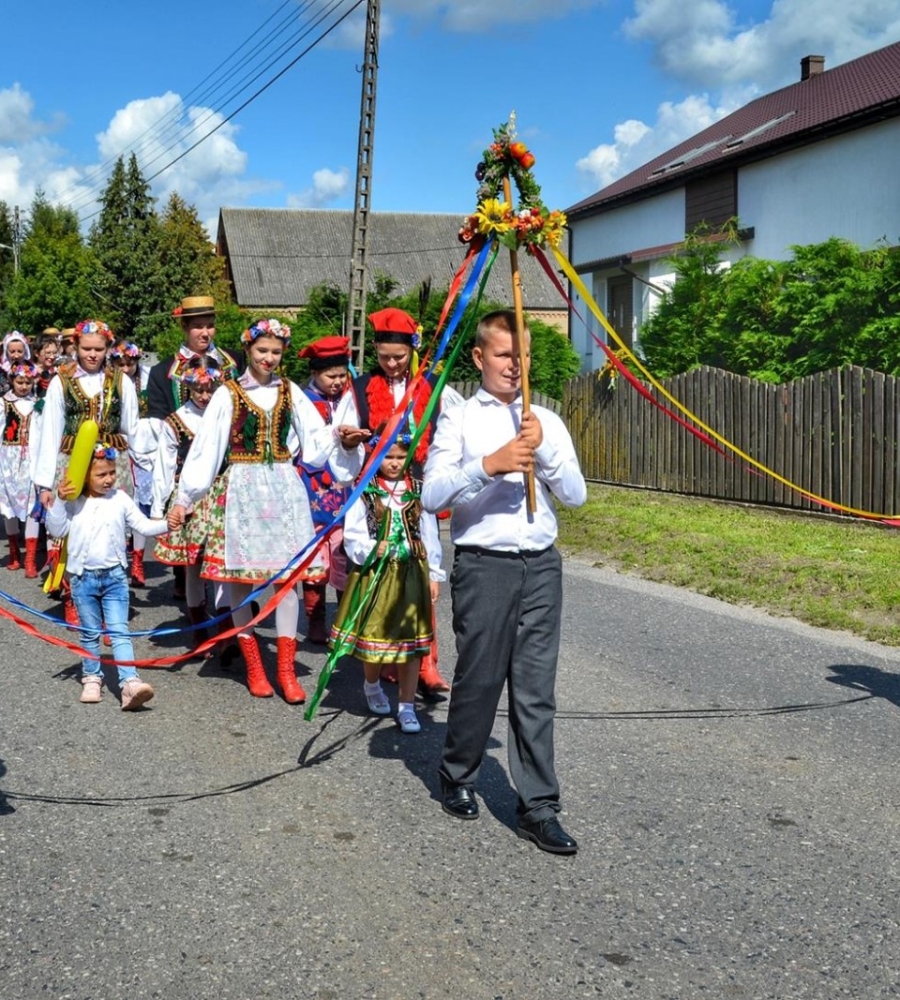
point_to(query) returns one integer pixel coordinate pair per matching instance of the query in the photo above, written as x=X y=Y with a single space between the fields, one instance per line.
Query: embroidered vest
x=185 y=436
x=15 y=426
x=257 y=436
x=410 y=514
x=80 y=408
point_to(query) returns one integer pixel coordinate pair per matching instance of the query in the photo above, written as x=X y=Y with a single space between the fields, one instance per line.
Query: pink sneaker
x=134 y=694
x=91 y=689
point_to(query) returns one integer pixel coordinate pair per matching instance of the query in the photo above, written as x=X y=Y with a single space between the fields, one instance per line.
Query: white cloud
x=703 y=44
x=635 y=142
x=478 y=16
x=328 y=185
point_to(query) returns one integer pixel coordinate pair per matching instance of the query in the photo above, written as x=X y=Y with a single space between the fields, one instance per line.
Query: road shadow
x=5 y=807
x=872 y=680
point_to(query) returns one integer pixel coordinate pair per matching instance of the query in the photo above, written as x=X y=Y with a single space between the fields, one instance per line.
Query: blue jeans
x=101 y=595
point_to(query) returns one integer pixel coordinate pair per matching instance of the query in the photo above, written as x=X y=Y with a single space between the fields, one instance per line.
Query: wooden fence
x=834 y=434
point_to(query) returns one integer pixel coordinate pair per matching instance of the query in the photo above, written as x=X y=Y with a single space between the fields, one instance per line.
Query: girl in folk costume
x=386 y=613
x=261 y=520
x=46 y=358
x=127 y=357
x=329 y=363
x=372 y=399
x=84 y=389
x=15 y=466
x=15 y=352
x=184 y=547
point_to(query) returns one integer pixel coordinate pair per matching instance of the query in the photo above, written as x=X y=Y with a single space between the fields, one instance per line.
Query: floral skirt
x=185 y=546
x=257 y=525
x=393 y=623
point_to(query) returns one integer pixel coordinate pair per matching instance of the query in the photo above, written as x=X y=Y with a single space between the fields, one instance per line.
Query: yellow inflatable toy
x=82 y=449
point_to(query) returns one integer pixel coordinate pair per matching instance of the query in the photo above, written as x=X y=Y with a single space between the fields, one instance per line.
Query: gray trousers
x=506 y=616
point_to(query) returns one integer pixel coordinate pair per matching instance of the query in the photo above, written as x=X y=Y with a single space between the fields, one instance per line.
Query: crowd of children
x=235 y=469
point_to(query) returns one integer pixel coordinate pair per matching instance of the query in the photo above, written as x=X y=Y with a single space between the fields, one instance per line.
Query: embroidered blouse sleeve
x=164 y=469
x=357 y=542
x=53 y=420
x=208 y=449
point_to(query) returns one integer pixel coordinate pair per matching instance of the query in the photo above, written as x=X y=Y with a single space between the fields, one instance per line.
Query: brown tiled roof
x=837 y=100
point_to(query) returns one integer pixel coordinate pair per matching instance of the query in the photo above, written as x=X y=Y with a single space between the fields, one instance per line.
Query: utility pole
x=356 y=306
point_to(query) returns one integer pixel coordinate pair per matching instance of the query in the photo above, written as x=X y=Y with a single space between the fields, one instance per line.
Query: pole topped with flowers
x=530 y=224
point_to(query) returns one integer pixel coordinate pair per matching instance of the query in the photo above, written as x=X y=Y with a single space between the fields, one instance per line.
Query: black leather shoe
x=460 y=802
x=548 y=835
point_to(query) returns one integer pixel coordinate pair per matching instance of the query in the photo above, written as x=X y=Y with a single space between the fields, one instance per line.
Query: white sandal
x=378 y=702
x=408 y=721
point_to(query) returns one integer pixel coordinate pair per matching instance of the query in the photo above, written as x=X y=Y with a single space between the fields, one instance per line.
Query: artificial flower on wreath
x=530 y=223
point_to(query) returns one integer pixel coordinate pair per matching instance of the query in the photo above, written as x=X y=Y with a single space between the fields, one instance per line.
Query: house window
x=710 y=200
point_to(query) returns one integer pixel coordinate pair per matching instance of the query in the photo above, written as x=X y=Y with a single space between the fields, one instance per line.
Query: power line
x=299 y=35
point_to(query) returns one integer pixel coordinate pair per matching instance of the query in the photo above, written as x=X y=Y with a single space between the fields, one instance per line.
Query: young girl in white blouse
x=255 y=425
x=15 y=466
x=95 y=524
x=385 y=615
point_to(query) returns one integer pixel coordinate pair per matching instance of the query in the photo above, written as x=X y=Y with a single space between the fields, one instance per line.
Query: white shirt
x=96 y=527
x=358 y=543
x=490 y=512
x=166 y=458
x=308 y=436
x=53 y=420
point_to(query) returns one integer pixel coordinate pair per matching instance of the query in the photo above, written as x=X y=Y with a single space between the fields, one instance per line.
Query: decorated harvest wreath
x=530 y=223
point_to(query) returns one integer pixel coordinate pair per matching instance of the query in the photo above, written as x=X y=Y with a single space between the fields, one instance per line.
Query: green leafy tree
x=57 y=273
x=126 y=240
x=7 y=256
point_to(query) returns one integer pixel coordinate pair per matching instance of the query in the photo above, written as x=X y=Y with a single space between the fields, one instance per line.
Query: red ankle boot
x=70 y=612
x=257 y=681
x=287 y=675
x=430 y=680
x=31 y=568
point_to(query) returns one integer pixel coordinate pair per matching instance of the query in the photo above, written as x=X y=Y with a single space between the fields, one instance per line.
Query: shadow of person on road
x=5 y=807
x=421 y=755
x=878 y=683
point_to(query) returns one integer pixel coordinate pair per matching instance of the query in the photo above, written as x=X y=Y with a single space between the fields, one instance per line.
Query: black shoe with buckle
x=548 y=835
x=460 y=802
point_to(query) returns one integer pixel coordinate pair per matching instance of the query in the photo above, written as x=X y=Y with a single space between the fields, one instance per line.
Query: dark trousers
x=506 y=616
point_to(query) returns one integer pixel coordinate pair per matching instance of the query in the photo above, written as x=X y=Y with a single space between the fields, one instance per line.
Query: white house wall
x=845 y=186
x=649 y=223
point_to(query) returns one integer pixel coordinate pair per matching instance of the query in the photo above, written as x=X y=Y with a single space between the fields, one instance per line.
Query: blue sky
x=598 y=87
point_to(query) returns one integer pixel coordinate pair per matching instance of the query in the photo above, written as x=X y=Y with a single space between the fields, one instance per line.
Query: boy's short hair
x=501 y=319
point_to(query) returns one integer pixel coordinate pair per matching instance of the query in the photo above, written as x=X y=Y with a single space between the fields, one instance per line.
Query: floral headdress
x=23 y=369
x=201 y=376
x=105 y=451
x=267 y=328
x=530 y=223
x=404 y=440
x=89 y=326
x=125 y=349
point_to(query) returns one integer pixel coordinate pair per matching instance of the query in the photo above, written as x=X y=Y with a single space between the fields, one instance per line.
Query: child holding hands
x=96 y=523
x=385 y=615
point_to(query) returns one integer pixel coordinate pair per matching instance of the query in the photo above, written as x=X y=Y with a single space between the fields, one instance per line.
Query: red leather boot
x=430 y=680
x=14 y=553
x=31 y=567
x=257 y=681
x=314 y=604
x=138 y=579
x=287 y=675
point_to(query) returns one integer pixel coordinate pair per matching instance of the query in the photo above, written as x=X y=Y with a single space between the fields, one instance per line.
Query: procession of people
x=239 y=478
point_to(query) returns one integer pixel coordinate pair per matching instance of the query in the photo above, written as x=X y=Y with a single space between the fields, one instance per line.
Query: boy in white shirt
x=506 y=584
x=95 y=524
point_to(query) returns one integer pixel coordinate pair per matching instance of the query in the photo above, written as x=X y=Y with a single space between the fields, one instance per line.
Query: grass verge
x=836 y=574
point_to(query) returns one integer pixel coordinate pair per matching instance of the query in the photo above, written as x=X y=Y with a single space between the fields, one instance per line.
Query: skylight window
x=691 y=154
x=754 y=132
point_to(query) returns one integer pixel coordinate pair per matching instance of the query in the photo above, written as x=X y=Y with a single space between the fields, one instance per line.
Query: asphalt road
x=730 y=778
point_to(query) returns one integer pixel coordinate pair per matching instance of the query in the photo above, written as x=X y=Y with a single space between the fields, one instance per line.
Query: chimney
x=811 y=66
